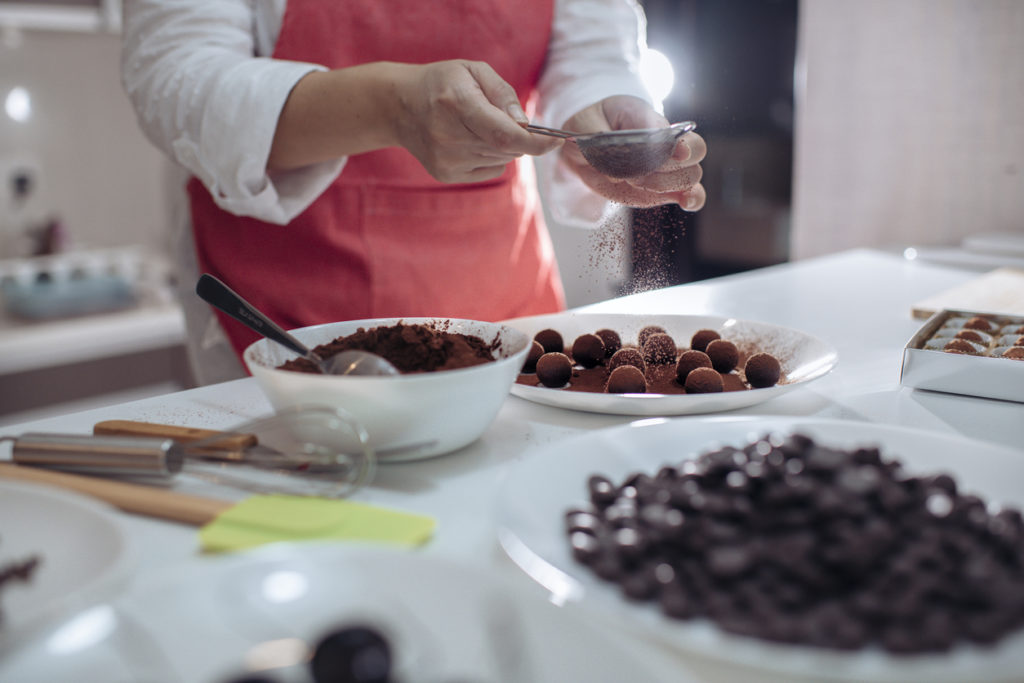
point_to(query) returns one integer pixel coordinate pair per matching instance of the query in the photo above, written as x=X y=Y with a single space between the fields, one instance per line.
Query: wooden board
x=998 y=291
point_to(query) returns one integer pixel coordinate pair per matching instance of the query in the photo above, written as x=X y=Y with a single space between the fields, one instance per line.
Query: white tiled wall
x=909 y=123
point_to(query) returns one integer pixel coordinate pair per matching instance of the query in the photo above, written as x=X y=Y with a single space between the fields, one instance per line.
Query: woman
x=361 y=158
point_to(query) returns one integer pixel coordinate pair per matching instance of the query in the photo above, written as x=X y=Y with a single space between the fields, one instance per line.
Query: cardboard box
x=927 y=366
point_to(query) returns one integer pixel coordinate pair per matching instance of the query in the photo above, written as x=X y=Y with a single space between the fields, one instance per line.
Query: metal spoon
x=624 y=153
x=353 y=362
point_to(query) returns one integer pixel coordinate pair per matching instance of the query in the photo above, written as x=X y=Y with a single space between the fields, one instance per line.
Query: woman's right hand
x=462 y=121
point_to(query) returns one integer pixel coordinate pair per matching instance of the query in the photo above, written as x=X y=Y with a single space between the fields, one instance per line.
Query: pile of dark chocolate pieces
x=794 y=542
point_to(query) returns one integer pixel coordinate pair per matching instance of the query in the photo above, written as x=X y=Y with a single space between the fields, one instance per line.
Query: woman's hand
x=462 y=121
x=678 y=180
x=458 y=118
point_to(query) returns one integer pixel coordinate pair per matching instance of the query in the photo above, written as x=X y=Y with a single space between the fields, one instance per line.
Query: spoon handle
x=216 y=293
x=553 y=132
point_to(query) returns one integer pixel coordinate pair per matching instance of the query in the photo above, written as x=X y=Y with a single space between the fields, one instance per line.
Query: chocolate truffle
x=762 y=370
x=977 y=323
x=660 y=349
x=724 y=355
x=532 y=356
x=703 y=381
x=647 y=332
x=627 y=357
x=960 y=346
x=701 y=339
x=554 y=369
x=588 y=350
x=970 y=335
x=1014 y=352
x=690 y=361
x=626 y=379
x=551 y=340
x=1019 y=341
x=612 y=341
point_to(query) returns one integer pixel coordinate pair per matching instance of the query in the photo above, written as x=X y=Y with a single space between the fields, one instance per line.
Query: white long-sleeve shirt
x=207 y=92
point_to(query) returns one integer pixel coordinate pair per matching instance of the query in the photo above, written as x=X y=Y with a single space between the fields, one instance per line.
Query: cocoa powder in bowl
x=410 y=348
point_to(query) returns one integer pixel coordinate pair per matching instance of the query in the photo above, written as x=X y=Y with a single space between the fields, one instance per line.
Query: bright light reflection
x=910 y=253
x=18 y=104
x=284 y=586
x=84 y=631
x=657 y=74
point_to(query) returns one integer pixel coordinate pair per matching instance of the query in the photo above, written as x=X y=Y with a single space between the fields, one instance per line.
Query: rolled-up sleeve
x=202 y=95
x=594 y=53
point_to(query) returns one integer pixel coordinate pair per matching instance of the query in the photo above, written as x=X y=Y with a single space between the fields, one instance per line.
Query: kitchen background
x=893 y=124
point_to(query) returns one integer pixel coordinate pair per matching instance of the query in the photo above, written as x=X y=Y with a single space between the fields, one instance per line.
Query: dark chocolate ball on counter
x=612 y=341
x=551 y=340
x=660 y=349
x=627 y=357
x=762 y=370
x=1014 y=352
x=647 y=332
x=588 y=350
x=554 y=369
x=690 y=361
x=724 y=355
x=626 y=379
x=703 y=381
x=701 y=339
x=532 y=356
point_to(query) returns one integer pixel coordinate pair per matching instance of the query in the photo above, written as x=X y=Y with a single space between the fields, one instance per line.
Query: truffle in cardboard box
x=983 y=371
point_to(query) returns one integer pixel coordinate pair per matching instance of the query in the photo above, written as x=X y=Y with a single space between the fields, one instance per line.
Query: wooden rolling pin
x=135 y=498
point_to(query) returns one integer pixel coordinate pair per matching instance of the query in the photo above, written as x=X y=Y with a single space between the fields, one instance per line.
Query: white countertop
x=858 y=301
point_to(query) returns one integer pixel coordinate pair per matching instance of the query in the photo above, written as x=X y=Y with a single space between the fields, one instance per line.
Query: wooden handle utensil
x=185 y=435
x=134 y=498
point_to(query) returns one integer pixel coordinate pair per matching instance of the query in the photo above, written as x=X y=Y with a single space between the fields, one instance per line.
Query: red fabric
x=386 y=239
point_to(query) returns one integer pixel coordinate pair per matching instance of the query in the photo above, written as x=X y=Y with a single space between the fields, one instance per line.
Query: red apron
x=386 y=239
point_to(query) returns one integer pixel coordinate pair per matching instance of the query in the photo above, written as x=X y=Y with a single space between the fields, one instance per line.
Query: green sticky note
x=272 y=518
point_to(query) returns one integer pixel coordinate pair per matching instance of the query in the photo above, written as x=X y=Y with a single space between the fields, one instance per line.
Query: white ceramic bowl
x=431 y=412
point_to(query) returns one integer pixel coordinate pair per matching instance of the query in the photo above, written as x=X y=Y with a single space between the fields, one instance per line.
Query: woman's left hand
x=677 y=181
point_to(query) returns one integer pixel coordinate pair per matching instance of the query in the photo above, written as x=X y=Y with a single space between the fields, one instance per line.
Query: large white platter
x=216 y=619
x=541 y=487
x=803 y=357
x=82 y=549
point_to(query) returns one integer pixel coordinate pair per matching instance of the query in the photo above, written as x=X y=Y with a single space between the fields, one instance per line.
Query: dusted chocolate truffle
x=627 y=357
x=970 y=335
x=1019 y=341
x=554 y=370
x=551 y=340
x=701 y=339
x=532 y=356
x=588 y=350
x=690 y=361
x=724 y=355
x=960 y=346
x=762 y=370
x=647 y=332
x=703 y=381
x=978 y=323
x=612 y=341
x=626 y=379
x=1014 y=352
x=660 y=349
